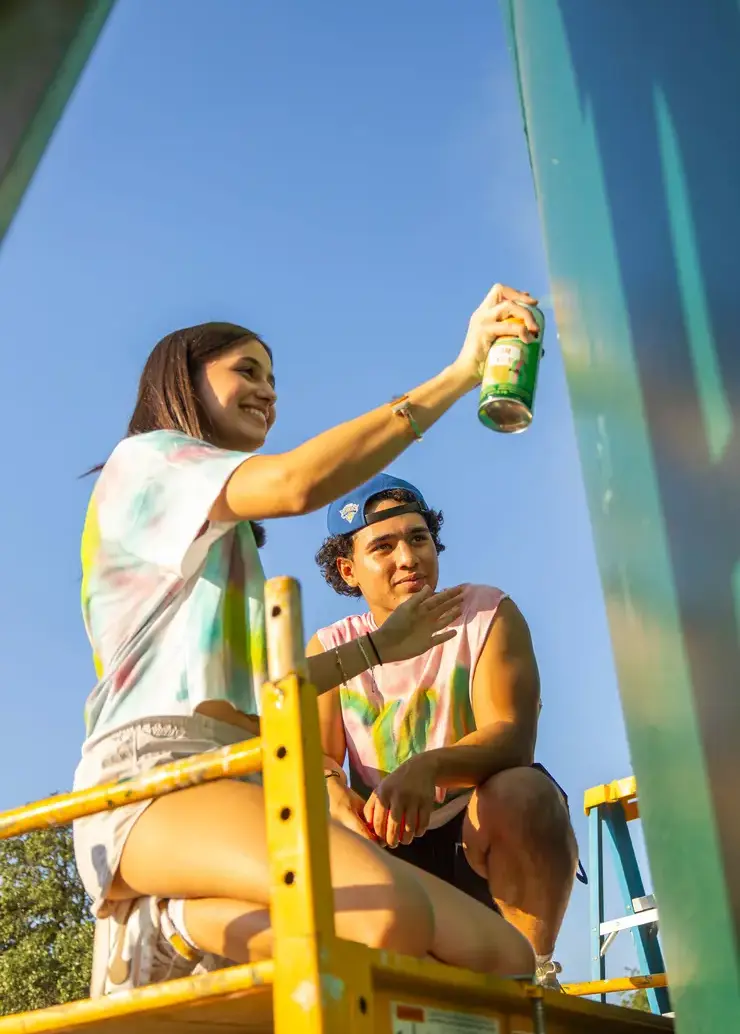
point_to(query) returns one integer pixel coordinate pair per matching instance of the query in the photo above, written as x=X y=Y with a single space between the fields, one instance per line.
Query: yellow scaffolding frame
x=316 y=983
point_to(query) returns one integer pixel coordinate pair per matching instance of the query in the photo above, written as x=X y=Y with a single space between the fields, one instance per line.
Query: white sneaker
x=546 y=976
x=132 y=950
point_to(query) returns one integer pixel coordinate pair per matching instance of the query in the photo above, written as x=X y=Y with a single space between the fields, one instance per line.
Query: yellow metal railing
x=316 y=983
x=614 y=984
x=237 y=760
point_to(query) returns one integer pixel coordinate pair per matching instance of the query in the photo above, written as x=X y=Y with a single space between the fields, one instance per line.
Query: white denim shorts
x=130 y=751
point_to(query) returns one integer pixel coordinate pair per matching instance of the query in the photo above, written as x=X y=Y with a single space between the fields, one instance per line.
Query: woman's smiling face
x=237 y=393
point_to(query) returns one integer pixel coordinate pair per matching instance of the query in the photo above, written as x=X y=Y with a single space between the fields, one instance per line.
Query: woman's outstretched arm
x=333 y=463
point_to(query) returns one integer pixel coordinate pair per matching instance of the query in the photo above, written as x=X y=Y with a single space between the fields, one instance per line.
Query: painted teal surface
x=636 y=174
x=44 y=46
x=715 y=408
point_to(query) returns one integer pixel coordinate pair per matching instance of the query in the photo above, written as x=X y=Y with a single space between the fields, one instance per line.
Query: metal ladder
x=613 y=806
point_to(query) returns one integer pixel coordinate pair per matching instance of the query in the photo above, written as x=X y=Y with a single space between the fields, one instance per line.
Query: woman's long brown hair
x=168 y=400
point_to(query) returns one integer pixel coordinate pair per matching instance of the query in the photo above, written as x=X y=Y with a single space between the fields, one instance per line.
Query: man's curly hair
x=342 y=546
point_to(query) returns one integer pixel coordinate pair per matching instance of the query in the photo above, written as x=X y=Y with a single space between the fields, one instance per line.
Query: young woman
x=173 y=605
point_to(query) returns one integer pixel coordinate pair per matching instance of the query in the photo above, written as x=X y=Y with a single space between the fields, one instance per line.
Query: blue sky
x=348 y=182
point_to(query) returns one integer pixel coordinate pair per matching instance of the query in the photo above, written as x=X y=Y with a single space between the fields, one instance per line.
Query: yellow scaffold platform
x=316 y=983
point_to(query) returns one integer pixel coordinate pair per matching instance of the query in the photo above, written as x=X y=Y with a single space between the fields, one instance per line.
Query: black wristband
x=374 y=648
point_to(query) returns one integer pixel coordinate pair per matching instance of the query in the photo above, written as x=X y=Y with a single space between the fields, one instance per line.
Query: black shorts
x=440 y=852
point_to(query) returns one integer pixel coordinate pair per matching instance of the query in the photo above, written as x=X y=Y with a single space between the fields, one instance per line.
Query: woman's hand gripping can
x=510 y=380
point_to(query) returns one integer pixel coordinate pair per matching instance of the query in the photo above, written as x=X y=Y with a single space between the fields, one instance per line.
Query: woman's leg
x=470 y=935
x=234 y=930
x=209 y=841
x=467 y=934
x=487 y=944
x=218 y=834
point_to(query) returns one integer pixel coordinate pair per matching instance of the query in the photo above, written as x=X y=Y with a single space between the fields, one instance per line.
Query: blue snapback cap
x=347 y=515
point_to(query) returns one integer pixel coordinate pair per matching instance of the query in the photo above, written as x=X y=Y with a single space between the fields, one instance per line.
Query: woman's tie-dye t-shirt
x=395 y=711
x=173 y=604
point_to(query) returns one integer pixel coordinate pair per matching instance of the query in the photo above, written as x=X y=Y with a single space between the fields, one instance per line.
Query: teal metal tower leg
x=631 y=116
x=44 y=45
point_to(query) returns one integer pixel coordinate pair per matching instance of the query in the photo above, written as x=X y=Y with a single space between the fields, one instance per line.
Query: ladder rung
x=649 y=915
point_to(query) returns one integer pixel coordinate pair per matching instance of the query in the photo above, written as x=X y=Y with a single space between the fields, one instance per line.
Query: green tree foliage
x=46 y=931
x=636 y=999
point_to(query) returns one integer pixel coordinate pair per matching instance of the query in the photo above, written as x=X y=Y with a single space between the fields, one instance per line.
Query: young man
x=441 y=747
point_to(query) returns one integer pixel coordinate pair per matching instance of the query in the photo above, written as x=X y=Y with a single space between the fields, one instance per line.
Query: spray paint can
x=510 y=379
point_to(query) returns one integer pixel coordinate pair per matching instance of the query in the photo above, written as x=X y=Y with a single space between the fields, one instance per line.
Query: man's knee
x=522 y=804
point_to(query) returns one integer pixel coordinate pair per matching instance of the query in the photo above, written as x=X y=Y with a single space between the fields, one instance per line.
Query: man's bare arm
x=505 y=697
x=331 y=725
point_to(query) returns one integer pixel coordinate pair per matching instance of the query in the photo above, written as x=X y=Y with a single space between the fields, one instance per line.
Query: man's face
x=392 y=559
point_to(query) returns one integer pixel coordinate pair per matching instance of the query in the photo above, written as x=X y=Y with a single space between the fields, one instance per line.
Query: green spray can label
x=510 y=380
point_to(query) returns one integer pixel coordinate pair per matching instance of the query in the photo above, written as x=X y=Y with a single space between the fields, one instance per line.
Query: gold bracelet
x=402 y=407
